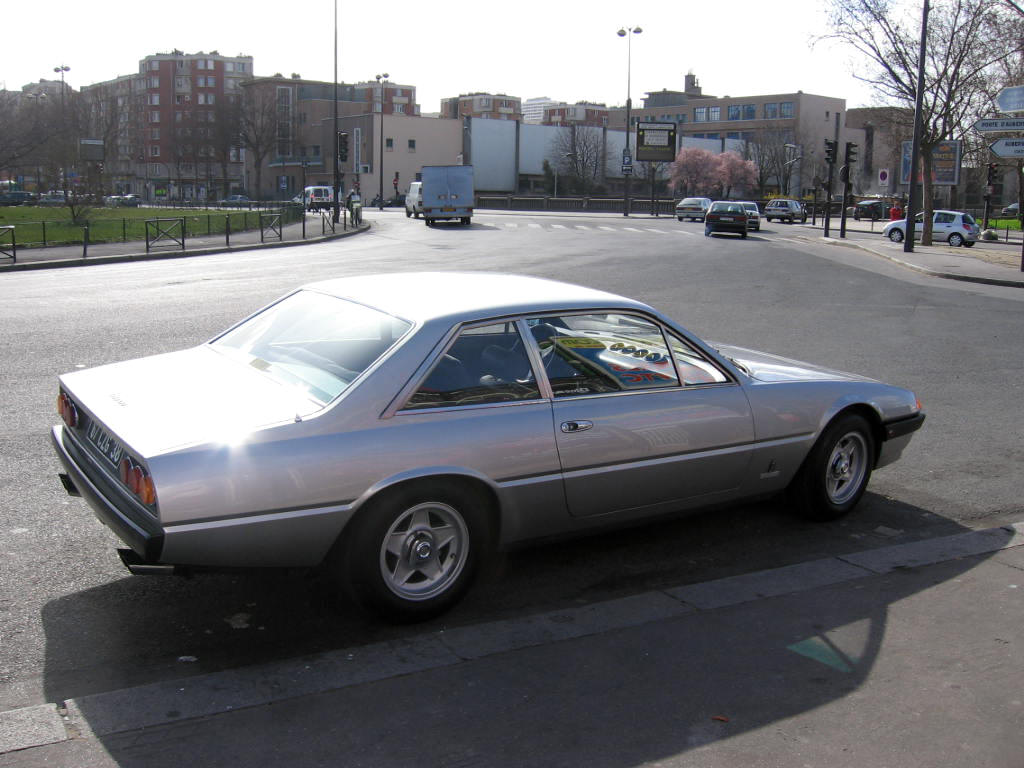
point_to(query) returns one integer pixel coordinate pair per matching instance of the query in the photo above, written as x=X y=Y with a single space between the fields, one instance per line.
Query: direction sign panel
x=1011 y=99
x=1008 y=148
x=999 y=124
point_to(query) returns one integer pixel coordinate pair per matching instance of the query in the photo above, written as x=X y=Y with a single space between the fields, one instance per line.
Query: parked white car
x=953 y=227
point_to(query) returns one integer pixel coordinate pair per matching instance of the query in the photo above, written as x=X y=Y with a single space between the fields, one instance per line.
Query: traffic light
x=830 y=152
x=991 y=174
x=851 y=152
x=342 y=146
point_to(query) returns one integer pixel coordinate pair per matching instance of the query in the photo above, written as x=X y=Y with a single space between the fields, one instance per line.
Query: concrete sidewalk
x=903 y=656
x=992 y=263
x=53 y=257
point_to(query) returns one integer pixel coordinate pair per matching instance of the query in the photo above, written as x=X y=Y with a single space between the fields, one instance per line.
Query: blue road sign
x=1011 y=99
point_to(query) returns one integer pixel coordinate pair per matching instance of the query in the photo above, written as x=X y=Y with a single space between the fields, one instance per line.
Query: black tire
x=679 y=217
x=968 y=243
x=743 y=235
x=956 y=239
x=408 y=213
x=412 y=553
x=836 y=472
x=896 y=235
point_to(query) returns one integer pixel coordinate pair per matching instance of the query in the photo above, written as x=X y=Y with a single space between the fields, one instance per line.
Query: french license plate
x=447 y=210
x=725 y=218
x=111 y=450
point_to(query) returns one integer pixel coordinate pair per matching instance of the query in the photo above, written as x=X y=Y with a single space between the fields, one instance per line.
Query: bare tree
x=226 y=137
x=258 y=120
x=578 y=151
x=962 y=48
x=27 y=126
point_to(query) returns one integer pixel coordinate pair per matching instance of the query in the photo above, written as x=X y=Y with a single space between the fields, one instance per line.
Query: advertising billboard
x=945 y=164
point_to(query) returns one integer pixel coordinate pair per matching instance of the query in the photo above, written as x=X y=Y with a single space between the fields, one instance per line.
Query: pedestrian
x=896 y=212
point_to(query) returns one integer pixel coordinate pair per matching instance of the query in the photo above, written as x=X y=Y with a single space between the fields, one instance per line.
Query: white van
x=318 y=198
x=414 y=200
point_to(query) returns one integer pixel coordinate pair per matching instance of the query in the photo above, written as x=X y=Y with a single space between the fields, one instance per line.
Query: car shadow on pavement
x=750 y=664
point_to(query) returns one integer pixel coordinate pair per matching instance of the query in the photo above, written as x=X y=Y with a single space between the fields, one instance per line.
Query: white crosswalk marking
x=631 y=229
x=510 y=225
x=558 y=226
x=533 y=225
x=656 y=231
x=580 y=226
x=684 y=232
x=608 y=229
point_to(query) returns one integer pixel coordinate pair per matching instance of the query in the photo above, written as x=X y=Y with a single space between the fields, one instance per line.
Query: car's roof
x=464 y=296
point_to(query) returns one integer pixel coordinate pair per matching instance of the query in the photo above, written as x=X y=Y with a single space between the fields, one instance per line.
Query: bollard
x=85 y=241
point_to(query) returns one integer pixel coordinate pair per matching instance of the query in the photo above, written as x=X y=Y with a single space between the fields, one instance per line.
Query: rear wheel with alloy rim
x=414 y=552
x=836 y=472
x=956 y=239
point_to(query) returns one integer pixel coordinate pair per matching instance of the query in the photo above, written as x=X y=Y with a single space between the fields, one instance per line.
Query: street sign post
x=1009 y=148
x=1011 y=99
x=999 y=124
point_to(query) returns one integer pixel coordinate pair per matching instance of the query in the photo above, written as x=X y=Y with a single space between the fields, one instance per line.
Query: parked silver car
x=953 y=227
x=753 y=215
x=398 y=429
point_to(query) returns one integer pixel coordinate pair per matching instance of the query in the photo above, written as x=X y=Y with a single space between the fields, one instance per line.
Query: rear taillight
x=67 y=410
x=137 y=480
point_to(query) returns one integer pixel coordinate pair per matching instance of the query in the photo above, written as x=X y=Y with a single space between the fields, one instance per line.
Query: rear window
x=313 y=343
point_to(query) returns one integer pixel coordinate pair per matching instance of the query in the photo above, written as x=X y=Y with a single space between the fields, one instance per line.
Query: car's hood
x=765 y=367
x=158 y=403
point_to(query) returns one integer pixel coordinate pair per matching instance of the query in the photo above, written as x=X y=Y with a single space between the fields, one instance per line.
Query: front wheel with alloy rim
x=414 y=552
x=896 y=235
x=836 y=472
x=956 y=239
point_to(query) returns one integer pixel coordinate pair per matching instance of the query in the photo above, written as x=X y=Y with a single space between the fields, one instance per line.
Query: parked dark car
x=235 y=201
x=1011 y=210
x=52 y=200
x=17 y=198
x=876 y=210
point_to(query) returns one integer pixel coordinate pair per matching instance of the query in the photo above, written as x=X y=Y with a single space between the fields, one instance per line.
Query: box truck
x=447 y=193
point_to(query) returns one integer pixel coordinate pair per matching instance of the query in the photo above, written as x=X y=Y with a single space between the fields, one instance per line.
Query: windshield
x=314 y=343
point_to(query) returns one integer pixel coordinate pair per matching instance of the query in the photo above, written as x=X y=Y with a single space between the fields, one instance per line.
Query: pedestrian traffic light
x=851 y=152
x=830 y=152
x=991 y=174
x=342 y=146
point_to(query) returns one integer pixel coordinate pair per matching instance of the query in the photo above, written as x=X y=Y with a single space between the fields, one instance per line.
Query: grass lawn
x=37 y=226
x=1001 y=225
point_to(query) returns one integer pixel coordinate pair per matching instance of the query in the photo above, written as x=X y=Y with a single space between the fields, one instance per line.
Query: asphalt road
x=74 y=623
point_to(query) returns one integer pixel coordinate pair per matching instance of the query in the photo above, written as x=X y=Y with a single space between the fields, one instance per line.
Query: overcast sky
x=564 y=49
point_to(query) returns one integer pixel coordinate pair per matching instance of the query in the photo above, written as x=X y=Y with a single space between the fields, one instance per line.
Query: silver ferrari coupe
x=399 y=429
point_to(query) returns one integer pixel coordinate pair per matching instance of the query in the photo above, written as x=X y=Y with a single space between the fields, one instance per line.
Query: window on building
x=749 y=111
x=714 y=114
x=154 y=65
x=771 y=111
x=229 y=66
x=154 y=150
x=786 y=109
x=154 y=134
x=154 y=116
x=211 y=82
x=399 y=109
x=240 y=66
x=412 y=145
x=389 y=145
x=712 y=136
x=316 y=150
x=154 y=99
x=153 y=82
x=700 y=114
x=734 y=111
x=179 y=65
x=733 y=135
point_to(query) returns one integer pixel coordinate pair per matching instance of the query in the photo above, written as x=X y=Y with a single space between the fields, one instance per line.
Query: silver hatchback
x=952 y=227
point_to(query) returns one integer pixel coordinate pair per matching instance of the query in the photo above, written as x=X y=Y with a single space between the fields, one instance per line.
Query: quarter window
x=485 y=364
x=602 y=353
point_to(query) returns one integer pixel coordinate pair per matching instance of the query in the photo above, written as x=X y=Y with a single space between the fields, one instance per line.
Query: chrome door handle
x=576 y=426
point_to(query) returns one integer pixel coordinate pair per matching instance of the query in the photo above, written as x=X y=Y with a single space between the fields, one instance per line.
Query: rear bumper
x=135 y=527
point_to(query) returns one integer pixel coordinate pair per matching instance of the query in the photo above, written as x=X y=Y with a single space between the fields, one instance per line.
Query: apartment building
x=580 y=113
x=533 y=109
x=168 y=128
x=492 y=106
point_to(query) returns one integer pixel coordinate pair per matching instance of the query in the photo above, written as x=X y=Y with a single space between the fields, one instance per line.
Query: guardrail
x=159 y=230
x=8 y=244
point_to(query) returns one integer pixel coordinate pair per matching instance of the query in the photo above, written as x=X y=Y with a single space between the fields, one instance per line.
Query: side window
x=600 y=353
x=693 y=366
x=485 y=364
x=944 y=218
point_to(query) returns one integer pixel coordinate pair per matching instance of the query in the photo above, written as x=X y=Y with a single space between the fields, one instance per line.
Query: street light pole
x=381 y=83
x=63 y=128
x=625 y=32
x=334 y=138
